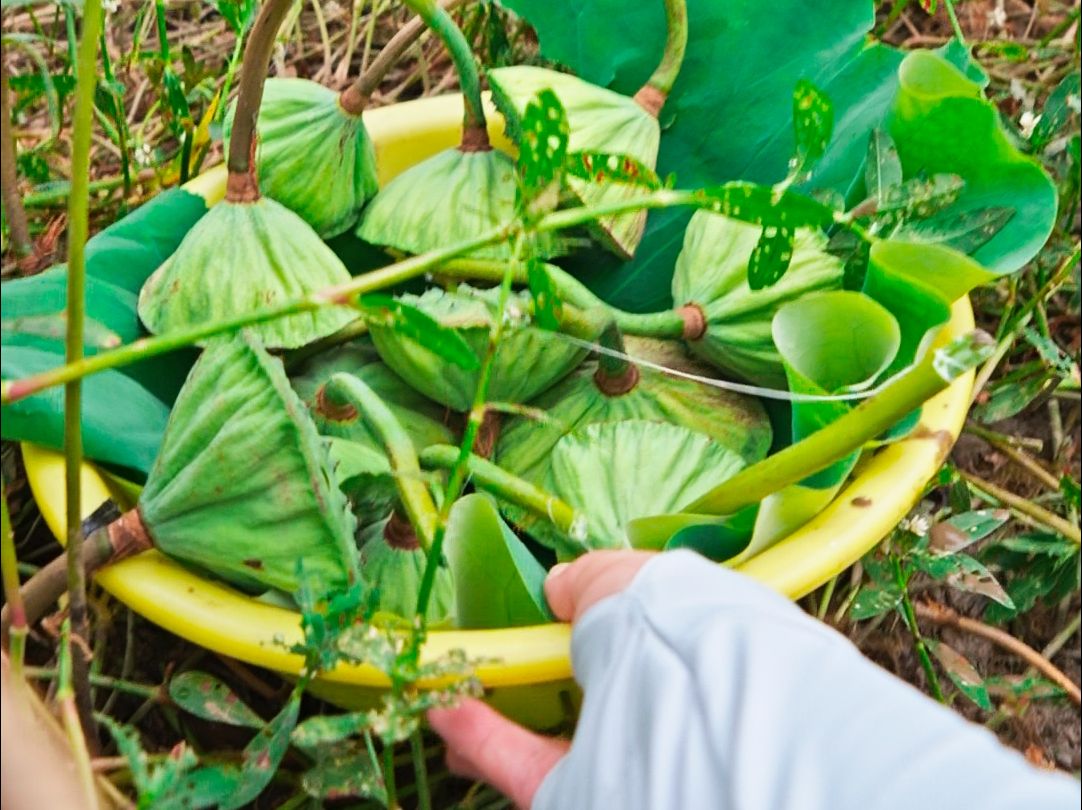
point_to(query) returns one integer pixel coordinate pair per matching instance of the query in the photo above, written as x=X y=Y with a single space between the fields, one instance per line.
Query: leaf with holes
x=205 y=696
x=920 y=198
x=542 y=143
x=546 y=299
x=771 y=257
x=962 y=673
x=875 y=600
x=813 y=124
x=883 y=170
x=330 y=728
x=342 y=772
x=608 y=167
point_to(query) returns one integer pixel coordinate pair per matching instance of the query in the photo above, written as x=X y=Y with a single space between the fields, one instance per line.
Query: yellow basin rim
x=221 y=619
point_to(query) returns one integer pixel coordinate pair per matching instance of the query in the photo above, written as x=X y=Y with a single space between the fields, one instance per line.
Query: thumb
x=483 y=744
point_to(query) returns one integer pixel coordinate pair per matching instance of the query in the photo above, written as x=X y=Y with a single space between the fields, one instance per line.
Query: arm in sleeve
x=704 y=689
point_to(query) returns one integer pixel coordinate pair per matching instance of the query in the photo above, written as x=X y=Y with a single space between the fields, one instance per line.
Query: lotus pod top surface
x=615 y=472
x=423 y=419
x=313 y=156
x=395 y=573
x=711 y=272
x=451 y=197
x=599 y=120
x=242 y=487
x=735 y=421
x=527 y=361
x=240 y=257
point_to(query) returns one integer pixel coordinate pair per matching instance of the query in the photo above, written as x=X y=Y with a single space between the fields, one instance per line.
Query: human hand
x=482 y=743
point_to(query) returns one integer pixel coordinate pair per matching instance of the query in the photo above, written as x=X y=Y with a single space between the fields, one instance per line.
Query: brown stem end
x=475 y=139
x=353 y=100
x=615 y=385
x=651 y=99
x=694 y=321
x=128 y=536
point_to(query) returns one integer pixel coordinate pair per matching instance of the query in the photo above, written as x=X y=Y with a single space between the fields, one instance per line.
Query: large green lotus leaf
x=600 y=121
x=712 y=272
x=242 y=257
x=395 y=572
x=34 y=315
x=451 y=197
x=527 y=361
x=423 y=419
x=122 y=423
x=832 y=343
x=243 y=485
x=132 y=248
x=738 y=126
x=917 y=283
x=735 y=421
x=614 y=472
x=313 y=157
x=497 y=582
x=941 y=122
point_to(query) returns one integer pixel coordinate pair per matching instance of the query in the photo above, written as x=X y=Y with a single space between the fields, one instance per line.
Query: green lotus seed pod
x=242 y=487
x=599 y=121
x=711 y=277
x=314 y=155
x=240 y=257
x=735 y=421
x=393 y=563
x=527 y=361
x=453 y=196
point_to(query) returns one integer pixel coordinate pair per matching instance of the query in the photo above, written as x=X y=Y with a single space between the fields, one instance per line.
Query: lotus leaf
x=615 y=472
x=527 y=361
x=393 y=564
x=314 y=157
x=600 y=121
x=240 y=257
x=711 y=273
x=243 y=486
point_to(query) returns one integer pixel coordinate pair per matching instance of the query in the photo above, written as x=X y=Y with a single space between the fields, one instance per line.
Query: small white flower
x=916 y=524
x=110 y=6
x=1027 y=123
x=997 y=17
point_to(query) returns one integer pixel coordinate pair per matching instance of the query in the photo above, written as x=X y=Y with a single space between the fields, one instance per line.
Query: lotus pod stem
x=345 y=390
x=242 y=185
x=846 y=434
x=504 y=485
x=615 y=375
x=474 y=127
x=652 y=95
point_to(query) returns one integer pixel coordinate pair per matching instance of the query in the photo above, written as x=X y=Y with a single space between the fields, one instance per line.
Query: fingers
x=571 y=589
x=483 y=744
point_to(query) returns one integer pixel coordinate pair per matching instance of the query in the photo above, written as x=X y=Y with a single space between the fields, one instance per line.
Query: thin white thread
x=728 y=385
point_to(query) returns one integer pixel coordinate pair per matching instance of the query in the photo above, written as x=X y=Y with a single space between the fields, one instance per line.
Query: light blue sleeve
x=703 y=689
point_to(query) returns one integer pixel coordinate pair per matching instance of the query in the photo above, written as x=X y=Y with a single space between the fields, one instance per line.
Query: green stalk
x=910 y=617
x=344 y=390
x=420 y=770
x=65 y=698
x=253 y=72
x=78 y=228
x=388 y=776
x=509 y=487
x=457 y=479
x=16 y=643
x=676 y=42
x=139 y=690
x=955 y=25
x=848 y=433
x=119 y=118
x=14 y=210
x=473 y=118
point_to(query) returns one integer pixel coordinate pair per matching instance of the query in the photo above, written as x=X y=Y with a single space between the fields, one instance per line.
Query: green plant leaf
x=961 y=531
x=498 y=583
x=962 y=673
x=205 y=696
x=393 y=313
x=608 y=167
x=965 y=231
x=546 y=298
x=263 y=755
x=883 y=170
x=127 y=436
x=1057 y=110
x=542 y=142
x=921 y=197
x=342 y=772
x=875 y=600
x=616 y=44
x=771 y=257
x=813 y=124
x=942 y=124
x=329 y=728
x=129 y=746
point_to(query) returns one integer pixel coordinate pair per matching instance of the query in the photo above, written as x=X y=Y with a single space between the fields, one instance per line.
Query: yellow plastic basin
x=528 y=674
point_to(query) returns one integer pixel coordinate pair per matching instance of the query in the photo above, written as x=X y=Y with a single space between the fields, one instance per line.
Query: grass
x=158 y=120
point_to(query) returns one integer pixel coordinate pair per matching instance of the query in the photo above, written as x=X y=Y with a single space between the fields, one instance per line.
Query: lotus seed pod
x=734 y=321
x=242 y=487
x=452 y=197
x=393 y=563
x=527 y=361
x=314 y=156
x=599 y=121
x=614 y=472
x=241 y=257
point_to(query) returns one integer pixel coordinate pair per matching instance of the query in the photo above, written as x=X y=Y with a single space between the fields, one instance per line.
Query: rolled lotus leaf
x=614 y=472
x=240 y=257
x=314 y=157
x=452 y=197
x=711 y=274
x=242 y=487
x=527 y=361
x=599 y=121
x=734 y=421
x=393 y=564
